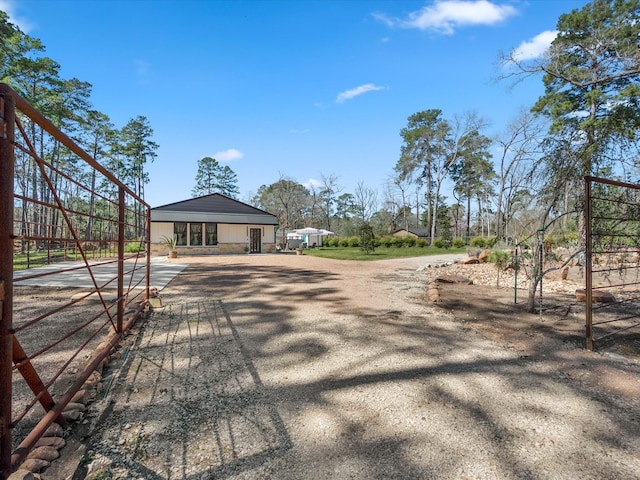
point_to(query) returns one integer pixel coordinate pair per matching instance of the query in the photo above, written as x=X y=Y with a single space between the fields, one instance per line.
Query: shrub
x=387 y=241
x=491 y=242
x=458 y=243
x=571 y=238
x=421 y=242
x=354 y=241
x=551 y=257
x=367 y=238
x=565 y=240
x=398 y=242
x=344 y=242
x=439 y=243
x=478 y=242
x=134 y=247
x=409 y=241
x=499 y=257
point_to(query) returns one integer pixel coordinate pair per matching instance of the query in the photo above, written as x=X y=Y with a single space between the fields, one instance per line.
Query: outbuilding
x=412 y=232
x=213 y=224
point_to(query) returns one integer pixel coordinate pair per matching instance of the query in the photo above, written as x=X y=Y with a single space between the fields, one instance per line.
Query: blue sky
x=289 y=88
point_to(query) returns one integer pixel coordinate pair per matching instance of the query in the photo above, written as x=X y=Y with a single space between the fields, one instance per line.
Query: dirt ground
x=295 y=367
x=558 y=333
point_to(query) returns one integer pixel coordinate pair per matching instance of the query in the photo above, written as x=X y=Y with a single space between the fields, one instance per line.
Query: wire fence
x=612 y=266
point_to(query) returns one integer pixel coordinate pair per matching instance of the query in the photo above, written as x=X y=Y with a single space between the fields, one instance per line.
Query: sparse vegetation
x=501 y=260
x=350 y=253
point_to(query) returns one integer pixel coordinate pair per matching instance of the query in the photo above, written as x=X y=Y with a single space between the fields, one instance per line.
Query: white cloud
x=311 y=183
x=536 y=47
x=228 y=155
x=9 y=7
x=354 y=92
x=383 y=18
x=445 y=16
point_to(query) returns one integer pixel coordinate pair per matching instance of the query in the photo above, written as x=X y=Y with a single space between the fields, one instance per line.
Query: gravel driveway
x=295 y=367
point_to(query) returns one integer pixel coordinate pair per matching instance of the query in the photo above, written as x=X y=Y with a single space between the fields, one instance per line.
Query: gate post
x=7 y=165
x=148 y=250
x=588 y=264
x=121 y=228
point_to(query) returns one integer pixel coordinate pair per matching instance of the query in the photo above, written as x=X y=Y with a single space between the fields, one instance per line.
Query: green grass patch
x=36 y=259
x=22 y=261
x=380 y=253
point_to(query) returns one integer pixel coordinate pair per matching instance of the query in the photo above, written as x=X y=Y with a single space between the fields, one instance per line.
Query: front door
x=255 y=240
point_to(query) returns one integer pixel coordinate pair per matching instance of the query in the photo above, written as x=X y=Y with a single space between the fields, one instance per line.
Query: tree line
x=125 y=152
x=451 y=177
x=509 y=185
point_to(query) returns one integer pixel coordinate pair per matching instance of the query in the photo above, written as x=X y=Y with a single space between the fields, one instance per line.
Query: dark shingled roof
x=420 y=232
x=214 y=203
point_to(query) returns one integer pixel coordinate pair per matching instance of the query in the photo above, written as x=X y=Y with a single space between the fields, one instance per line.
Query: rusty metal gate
x=612 y=258
x=62 y=216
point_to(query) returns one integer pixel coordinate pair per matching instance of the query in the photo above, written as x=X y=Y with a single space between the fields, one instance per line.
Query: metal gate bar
x=612 y=230
x=57 y=222
x=7 y=164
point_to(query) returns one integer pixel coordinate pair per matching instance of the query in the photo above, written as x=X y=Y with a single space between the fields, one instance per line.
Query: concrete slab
x=162 y=272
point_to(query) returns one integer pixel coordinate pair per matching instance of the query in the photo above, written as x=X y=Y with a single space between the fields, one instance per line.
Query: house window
x=195 y=234
x=180 y=231
x=211 y=233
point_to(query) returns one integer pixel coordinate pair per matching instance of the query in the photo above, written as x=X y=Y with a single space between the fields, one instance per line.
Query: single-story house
x=213 y=224
x=412 y=232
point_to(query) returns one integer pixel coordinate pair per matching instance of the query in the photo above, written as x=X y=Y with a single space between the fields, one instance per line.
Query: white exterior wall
x=240 y=233
x=228 y=234
x=159 y=230
x=233 y=234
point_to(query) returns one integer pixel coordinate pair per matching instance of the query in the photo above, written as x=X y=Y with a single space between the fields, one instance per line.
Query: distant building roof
x=212 y=208
x=419 y=232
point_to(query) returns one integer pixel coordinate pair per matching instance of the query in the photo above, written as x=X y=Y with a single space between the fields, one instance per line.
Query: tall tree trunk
x=435 y=214
x=536 y=278
x=417 y=207
x=468 y=219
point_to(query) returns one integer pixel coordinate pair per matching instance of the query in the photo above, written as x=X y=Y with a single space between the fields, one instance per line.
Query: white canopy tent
x=311 y=236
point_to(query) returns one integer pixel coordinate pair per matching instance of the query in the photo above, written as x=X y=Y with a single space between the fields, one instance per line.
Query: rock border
x=48 y=448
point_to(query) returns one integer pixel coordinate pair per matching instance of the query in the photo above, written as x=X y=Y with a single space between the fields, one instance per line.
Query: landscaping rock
x=484 y=256
x=453 y=279
x=93 y=380
x=469 y=261
x=22 y=474
x=433 y=294
x=56 y=442
x=75 y=406
x=44 y=453
x=598 y=296
x=79 y=397
x=34 y=465
x=54 y=430
x=72 y=415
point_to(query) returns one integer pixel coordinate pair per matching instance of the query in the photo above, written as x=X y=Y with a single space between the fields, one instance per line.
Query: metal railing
x=88 y=233
x=612 y=258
